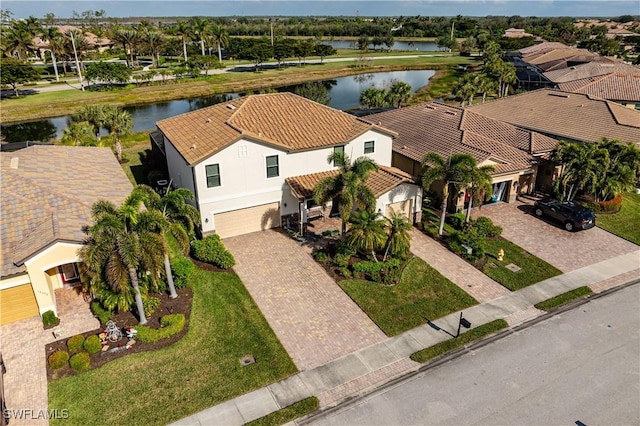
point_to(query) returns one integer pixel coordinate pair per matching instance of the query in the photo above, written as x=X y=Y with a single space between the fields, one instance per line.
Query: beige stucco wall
x=43 y=274
x=14 y=281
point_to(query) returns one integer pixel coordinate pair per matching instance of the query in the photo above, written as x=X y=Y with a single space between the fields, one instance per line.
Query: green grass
x=533 y=269
x=421 y=293
x=464 y=338
x=625 y=223
x=431 y=219
x=287 y=414
x=133 y=151
x=200 y=370
x=563 y=298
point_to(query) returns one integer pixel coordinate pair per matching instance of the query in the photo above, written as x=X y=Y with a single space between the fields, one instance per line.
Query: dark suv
x=572 y=216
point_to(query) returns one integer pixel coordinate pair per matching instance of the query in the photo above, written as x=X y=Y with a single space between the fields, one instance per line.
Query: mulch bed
x=180 y=305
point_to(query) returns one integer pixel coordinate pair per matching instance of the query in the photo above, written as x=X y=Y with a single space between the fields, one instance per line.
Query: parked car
x=573 y=216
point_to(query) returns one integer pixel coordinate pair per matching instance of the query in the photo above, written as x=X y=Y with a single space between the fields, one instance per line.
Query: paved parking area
x=311 y=315
x=565 y=250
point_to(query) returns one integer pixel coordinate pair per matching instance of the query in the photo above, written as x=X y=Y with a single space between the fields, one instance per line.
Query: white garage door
x=400 y=207
x=247 y=220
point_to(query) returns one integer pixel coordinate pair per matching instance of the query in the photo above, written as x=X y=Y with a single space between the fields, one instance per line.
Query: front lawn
x=533 y=269
x=624 y=224
x=421 y=293
x=197 y=372
x=564 y=298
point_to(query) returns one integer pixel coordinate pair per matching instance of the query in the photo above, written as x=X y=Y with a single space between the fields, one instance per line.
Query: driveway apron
x=465 y=276
x=314 y=319
x=550 y=242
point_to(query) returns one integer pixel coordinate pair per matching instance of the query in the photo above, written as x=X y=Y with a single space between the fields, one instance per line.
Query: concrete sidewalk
x=391 y=355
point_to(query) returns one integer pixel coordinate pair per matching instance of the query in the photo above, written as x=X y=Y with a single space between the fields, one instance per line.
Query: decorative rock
x=247 y=360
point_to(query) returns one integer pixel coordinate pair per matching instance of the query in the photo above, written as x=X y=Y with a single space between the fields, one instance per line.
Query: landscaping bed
x=180 y=305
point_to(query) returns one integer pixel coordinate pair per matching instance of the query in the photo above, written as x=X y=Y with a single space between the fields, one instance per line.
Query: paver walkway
x=23 y=348
x=565 y=250
x=468 y=278
x=314 y=319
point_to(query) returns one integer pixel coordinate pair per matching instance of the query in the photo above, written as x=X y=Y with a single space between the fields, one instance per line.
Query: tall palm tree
x=367 y=232
x=485 y=85
x=128 y=38
x=221 y=37
x=17 y=40
x=79 y=133
x=122 y=243
x=55 y=39
x=454 y=172
x=466 y=88
x=94 y=114
x=201 y=29
x=372 y=97
x=185 y=33
x=118 y=122
x=154 y=40
x=347 y=189
x=399 y=240
x=181 y=218
x=481 y=184
x=77 y=39
x=399 y=93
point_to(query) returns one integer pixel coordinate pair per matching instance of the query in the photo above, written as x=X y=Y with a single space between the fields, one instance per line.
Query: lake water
x=421 y=46
x=344 y=93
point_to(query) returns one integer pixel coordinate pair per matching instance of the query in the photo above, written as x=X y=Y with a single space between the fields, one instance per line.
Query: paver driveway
x=311 y=315
x=565 y=250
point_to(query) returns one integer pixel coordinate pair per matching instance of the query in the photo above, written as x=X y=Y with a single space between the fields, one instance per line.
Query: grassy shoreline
x=57 y=103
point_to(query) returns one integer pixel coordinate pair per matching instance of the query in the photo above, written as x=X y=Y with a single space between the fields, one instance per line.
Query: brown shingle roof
x=565 y=115
x=446 y=130
x=282 y=119
x=48 y=197
x=380 y=182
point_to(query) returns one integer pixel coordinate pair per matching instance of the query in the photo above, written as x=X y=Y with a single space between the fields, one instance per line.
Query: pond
x=344 y=93
x=421 y=46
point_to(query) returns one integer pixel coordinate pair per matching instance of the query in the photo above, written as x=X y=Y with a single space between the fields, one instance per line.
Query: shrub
x=610 y=206
x=457 y=220
x=150 y=305
x=343 y=248
x=58 y=359
x=211 y=250
x=80 y=361
x=345 y=272
x=92 y=344
x=182 y=270
x=320 y=256
x=377 y=271
x=341 y=260
x=103 y=315
x=49 y=319
x=485 y=227
x=459 y=242
x=75 y=343
x=170 y=325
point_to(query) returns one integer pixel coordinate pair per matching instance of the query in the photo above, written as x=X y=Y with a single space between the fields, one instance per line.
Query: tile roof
x=446 y=130
x=614 y=86
x=591 y=69
x=47 y=197
x=288 y=121
x=380 y=182
x=572 y=61
x=565 y=115
x=542 y=47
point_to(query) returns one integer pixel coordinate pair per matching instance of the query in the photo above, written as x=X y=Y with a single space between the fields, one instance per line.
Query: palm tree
x=94 y=114
x=184 y=31
x=154 y=40
x=18 y=39
x=79 y=133
x=201 y=29
x=347 y=189
x=221 y=37
x=372 y=97
x=399 y=93
x=54 y=37
x=128 y=38
x=123 y=243
x=466 y=88
x=366 y=232
x=485 y=85
x=454 y=171
x=180 y=220
x=77 y=40
x=399 y=240
x=481 y=184
x=118 y=122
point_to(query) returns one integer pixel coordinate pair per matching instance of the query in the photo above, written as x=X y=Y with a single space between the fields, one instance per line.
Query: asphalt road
x=580 y=366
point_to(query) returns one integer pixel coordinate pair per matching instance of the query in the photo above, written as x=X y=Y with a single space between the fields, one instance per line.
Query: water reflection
x=341 y=93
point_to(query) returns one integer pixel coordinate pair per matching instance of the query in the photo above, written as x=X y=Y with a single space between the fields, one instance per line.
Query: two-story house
x=240 y=157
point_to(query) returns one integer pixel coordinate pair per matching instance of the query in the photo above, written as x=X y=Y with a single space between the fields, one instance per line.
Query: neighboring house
x=550 y=56
x=565 y=116
x=515 y=153
x=47 y=195
x=93 y=41
x=516 y=33
x=237 y=157
x=618 y=82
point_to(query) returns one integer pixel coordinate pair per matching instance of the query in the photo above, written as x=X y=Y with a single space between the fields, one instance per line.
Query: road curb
x=456 y=353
